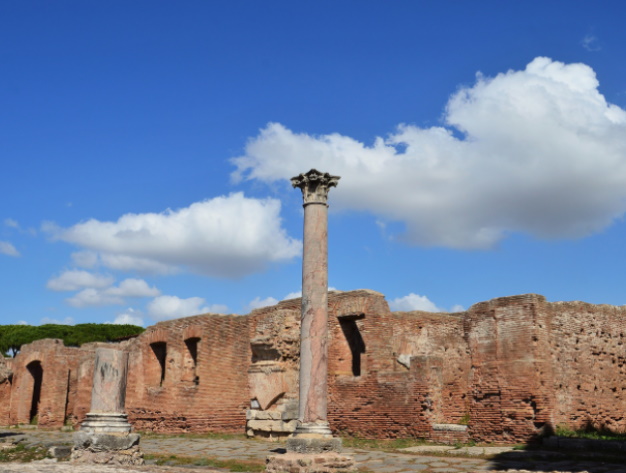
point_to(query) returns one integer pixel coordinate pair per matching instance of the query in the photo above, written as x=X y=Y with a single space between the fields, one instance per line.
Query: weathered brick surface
x=510 y=368
x=510 y=390
x=6 y=380
x=43 y=369
x=588 y=355
x=162 y=395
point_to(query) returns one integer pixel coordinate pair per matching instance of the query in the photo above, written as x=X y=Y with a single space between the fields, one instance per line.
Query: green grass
x=20 y=453
x=378 y=444
x=231 y=465
x=589 y=433
x=189 y=435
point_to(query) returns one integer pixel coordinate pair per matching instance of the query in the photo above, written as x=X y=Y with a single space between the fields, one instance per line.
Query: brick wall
x=41 y=380
x=510 y=368
x=6 y=380
x=588 y=354
x=509 y=381
x=167 y=393
x=388 y=399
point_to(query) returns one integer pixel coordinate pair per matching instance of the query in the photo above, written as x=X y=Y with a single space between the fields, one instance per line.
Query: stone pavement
x=426 y=459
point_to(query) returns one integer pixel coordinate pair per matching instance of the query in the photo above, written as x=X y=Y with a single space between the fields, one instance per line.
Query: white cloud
x=85 y=259
x=413 y=302
x=73 y=280
x=97 y=295
x=417 y=302
x=8 y=249
x=228 y=236
x=257 y=303
x=92 y=297
x=130 y=316
x=133 y=288
x=173 y=307
x=12 y=223
x=543 y=153
x=293 y=295
x=590 y=43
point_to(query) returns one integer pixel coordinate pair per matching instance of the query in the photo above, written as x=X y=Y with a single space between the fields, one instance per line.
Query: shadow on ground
x=538 y=458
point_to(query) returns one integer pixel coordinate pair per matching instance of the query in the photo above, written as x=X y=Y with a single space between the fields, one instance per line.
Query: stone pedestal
x=105 y=436
x=107 y=448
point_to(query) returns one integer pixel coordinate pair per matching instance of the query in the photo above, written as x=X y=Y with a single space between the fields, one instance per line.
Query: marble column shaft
x=109 y=381
x=314 y=329
x=108 y=395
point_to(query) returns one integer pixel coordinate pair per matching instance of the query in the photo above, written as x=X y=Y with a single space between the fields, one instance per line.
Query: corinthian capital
x=315 y=186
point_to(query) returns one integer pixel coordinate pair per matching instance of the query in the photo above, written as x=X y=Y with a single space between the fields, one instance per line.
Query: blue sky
x=146 y=147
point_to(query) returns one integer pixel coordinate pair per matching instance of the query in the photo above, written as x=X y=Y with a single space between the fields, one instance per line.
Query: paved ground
x=414 y=459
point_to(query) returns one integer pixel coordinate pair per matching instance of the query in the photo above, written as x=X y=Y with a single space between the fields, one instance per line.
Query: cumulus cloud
x=413 y=302
x=133 y=287
x=9 y=222
x=541 y=152
x=112 y=295
x=85 y=259
x=130 y=316
x=8 y=249
x=257 y=303
x=73 y=280
x=228 y=236
x=293 y=295
x=92 y=297
x=416 y=302
x=173 y=307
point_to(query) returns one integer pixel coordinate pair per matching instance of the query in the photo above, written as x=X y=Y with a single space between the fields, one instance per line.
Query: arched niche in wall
x=351 y=347
x=35 y=370
x=190 y=360
x=156 y=366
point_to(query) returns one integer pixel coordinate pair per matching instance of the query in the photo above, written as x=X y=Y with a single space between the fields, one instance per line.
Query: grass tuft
x=236 y=466
x=589 y=433
x=21 y=453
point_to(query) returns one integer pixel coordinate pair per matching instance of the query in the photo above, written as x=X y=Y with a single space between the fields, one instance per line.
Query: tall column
x=314 y=323
x=313 y=449
x=104 y=436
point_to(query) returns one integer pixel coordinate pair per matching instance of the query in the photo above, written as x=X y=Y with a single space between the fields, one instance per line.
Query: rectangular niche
x=157 y=365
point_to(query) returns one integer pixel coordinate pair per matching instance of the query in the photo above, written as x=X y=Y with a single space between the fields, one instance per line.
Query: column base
x=313 y=438
x=330 y=462
x=106 y=439
x=114 y=423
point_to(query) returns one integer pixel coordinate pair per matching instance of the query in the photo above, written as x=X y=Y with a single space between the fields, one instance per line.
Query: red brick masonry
x=509 y=369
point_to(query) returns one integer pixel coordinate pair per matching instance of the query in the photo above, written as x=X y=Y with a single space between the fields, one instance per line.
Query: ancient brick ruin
x=507 y=369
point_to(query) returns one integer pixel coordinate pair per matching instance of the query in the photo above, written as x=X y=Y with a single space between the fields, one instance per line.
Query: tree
x=12 y=337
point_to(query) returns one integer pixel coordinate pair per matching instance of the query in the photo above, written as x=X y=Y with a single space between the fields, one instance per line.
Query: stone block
x=131 y=456
x=102 y=442
x=267 y=415
x=303 y=445
x=310 y=463
x=60 y=451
